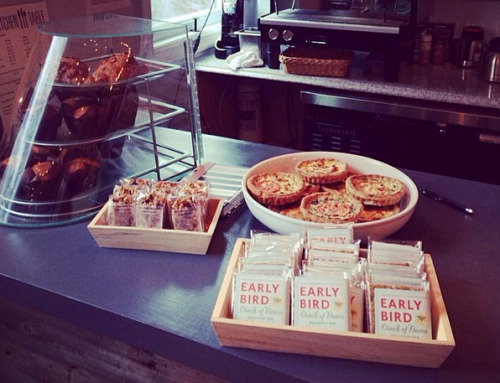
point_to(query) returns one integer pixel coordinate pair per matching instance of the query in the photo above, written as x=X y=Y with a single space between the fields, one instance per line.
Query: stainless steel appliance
x=489 y=69
x=411 y=135
x=470 y=47
x=252 y=10
x=386 y=27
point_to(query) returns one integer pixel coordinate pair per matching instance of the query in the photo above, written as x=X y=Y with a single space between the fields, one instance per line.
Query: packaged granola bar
x=163 y=190
x=399 y=306
x=397 y=290
x=327 y=236
x=269 y=248
x=121 y=205
x=403 y=253
x=321 y=300
x=200 y=190
x=186 y=213
x=343 y=253
x=261 y=297
x=188 y=206
x=151 y=208
x=354 y=275
x=357 y=299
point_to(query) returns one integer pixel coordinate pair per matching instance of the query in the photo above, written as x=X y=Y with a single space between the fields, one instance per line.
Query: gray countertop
x=162 y=301
x=444 y=83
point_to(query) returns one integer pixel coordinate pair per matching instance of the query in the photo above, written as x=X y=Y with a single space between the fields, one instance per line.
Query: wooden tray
x=177 y=241
x=335 y=344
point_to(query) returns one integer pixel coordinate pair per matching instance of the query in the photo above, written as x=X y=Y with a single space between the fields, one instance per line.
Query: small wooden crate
x=335 y=344
x=177 y=241
x=316 y=61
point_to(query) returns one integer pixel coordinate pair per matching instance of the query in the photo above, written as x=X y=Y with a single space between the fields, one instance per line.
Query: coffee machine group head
x=232 y=21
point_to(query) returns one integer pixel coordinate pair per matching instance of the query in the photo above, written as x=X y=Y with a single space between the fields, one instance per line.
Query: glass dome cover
x=88 y=106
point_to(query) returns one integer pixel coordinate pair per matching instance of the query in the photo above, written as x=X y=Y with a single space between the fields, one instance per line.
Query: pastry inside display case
x=96 y=104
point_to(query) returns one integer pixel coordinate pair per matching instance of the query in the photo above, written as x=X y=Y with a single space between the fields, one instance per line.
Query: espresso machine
x=387 y=28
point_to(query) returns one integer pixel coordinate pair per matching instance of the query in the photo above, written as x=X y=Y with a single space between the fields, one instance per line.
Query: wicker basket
x=316 y=61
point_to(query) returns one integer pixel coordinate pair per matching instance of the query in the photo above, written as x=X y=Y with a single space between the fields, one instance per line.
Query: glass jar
x=438 y=52
x=424 y=49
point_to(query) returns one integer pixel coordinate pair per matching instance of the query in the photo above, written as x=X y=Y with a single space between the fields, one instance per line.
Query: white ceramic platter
x=357 y=164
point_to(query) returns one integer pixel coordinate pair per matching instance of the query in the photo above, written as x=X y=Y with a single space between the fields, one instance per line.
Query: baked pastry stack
x=323 y=190
x=117 y=67
x=72 y=71
x=82 y=106
x=112 y=105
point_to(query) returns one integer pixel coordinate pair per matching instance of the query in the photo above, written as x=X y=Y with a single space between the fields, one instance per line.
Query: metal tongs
x=233 y=204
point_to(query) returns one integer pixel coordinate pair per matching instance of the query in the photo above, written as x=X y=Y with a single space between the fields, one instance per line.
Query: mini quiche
x=292 y=211
x=276 y=189
x=322 y=170
x=337 y=186
x=375 y=189
x=312 y=188
x=374 y=213
x=330 y=207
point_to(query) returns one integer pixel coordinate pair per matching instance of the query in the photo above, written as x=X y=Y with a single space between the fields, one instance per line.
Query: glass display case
x=98 y=102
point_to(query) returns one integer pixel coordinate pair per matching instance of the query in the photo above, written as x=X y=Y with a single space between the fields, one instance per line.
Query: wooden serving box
x=334 y=344
x=177 y=241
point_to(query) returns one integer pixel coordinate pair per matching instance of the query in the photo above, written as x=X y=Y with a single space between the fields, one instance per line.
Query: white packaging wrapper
x=402 y=312
x=261 y=298
x=121 y=206
x=199 y=190
x=159 y=204
x=150 y=216
x=321 y=301
x=120 y=214
x=272 y=248
x=396 y=252
x=151 y=208
x=329 y=236
x=186 y=213
x=398 y=306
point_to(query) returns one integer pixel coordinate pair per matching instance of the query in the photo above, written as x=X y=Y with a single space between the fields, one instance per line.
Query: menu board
x=17 y=33
x=100 y=6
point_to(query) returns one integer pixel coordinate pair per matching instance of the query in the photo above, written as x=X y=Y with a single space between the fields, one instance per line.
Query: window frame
x=194 y=22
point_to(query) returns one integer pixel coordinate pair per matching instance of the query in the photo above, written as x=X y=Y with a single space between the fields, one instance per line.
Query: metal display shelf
x=87 y=135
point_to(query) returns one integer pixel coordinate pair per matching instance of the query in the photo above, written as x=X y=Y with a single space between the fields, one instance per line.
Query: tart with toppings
x=292 y=211
x=311 y=188
x=322 y=170
x=375 y=189
x=374 y=213
x=276 y=189
x=337 y=186
x=330 y=207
